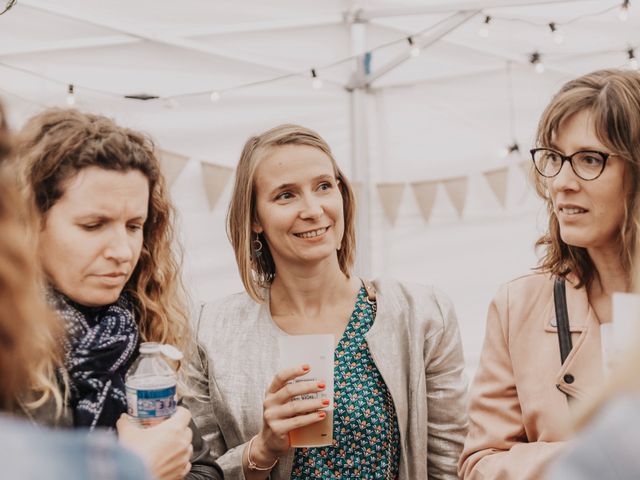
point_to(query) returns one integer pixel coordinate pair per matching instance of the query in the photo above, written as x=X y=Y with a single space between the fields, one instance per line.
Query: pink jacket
x=519 y=413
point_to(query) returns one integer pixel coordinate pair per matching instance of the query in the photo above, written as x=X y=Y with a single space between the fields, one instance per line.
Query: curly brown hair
x=613 y=99
x=54 y=146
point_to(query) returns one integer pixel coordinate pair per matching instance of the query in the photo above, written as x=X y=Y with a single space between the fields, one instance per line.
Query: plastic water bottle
x=151 y=384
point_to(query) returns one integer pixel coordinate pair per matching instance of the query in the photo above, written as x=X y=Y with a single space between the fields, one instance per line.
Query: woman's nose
x=118 y=247
x=566 y=179
x=312 y=207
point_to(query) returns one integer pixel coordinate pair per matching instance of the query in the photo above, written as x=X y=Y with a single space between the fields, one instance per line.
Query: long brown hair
x=613 y=99
x=29 y=351
x=257 y=272
x=54 y=146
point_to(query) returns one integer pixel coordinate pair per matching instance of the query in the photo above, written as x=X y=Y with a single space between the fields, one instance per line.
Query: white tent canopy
x=420 y=136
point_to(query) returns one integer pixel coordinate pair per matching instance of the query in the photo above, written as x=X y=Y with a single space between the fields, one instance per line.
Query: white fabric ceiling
x=443 y=114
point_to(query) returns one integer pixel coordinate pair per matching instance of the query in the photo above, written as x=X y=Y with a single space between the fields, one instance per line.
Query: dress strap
x=371 y=290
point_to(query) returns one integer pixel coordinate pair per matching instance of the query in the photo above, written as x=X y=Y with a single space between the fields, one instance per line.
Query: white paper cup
x=317 y=352
x=619 y=336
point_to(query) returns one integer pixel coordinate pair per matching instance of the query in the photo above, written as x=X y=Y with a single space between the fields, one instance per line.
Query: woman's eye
x=91 y=226
x=134 y=227
x=592 y=160
x=553 y=158
x=284 y=196
x=324 y=186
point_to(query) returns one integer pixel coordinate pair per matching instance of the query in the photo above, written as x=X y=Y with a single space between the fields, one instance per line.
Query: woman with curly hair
x=106 y=246
x=29 y=356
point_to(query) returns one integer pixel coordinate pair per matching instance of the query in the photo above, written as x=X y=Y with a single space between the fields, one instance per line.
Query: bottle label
x=151 y=403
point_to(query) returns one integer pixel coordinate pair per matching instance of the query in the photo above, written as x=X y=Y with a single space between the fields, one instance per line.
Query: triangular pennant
x=497 y=180
x=171 y=165
x=457 y=190
x=425 y=193
x=390 y=197
x=215 y=178
x=527 y=168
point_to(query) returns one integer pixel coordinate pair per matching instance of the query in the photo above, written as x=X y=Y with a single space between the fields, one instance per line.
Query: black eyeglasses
x=586 y=164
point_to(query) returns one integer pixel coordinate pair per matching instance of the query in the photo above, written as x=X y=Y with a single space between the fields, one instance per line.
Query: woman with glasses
x=542 y=352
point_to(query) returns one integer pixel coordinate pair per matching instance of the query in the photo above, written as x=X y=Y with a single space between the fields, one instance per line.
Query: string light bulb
x=633 y=61
x=215 y=96
x=509 y=149
x=316 y=82
x=556 y=34
x=71 y=97
x=483 y=31
x=415 y=50
x=536 y=61
x=623 y=13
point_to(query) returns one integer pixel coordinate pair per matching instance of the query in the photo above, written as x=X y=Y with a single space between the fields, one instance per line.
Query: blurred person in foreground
x=608 y=447
x=29 y=354
x=104 y=241
x=399 y=397
x=542 y=352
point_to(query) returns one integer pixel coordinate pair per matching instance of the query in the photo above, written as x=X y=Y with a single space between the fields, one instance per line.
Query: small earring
x=257 y=247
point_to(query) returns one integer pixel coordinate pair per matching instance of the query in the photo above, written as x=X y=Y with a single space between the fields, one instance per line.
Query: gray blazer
x=414 y=343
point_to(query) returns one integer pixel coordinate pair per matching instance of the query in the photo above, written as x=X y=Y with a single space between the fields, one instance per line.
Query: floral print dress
x=366 y=438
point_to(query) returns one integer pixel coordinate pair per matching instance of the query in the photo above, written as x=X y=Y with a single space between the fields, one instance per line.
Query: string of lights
x=314 y=72
x=487 y=20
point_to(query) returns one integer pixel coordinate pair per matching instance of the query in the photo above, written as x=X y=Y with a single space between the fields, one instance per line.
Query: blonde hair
x=613 y=99
x=257 y=272
x=53 y=147
x=29 y=331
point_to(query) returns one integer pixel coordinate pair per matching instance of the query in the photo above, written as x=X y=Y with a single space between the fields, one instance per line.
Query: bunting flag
x=215 y=178
x=456 y=188
x=171 y=165
x=497 y=180
x=425 y=193
x=527 y=168
x=390 y=197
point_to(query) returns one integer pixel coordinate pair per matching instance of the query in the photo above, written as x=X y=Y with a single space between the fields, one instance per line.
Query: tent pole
x=360 y=152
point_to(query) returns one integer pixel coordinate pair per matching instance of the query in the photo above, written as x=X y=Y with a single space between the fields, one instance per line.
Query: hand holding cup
x=285 y=409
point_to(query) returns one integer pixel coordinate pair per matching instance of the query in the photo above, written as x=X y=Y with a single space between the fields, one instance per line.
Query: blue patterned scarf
x=100 y=345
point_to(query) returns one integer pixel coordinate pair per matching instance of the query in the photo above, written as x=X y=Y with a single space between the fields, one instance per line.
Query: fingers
x=291 y=390
x=184 y=465
x=181 y=417
x=122 y=422
x=284 y=426
x=286 y=375
x=186 y=470
x=294 y=408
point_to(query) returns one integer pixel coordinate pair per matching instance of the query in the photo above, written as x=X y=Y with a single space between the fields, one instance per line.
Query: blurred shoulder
x=603 y=449
x=64 y=453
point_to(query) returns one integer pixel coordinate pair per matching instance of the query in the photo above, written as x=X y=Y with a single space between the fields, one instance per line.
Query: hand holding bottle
x=165 y=448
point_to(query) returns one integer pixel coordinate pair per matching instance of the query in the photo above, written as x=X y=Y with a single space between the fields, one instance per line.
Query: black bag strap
x=562 y=318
